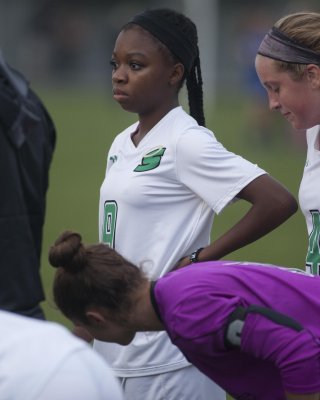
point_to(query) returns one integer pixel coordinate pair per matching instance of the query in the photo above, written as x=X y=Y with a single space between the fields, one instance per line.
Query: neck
x=148 y=120
x=143 y=316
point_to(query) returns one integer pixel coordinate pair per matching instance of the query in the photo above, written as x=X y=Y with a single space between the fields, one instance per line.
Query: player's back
x=196 y=303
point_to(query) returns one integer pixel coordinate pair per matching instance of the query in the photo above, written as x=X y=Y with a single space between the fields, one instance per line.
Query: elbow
x=271 y=198
x=290 y=204
x=294 y=206
x=277 y=206
x=285 y=205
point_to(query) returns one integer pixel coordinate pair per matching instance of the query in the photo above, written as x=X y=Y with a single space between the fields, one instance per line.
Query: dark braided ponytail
x=195 y=93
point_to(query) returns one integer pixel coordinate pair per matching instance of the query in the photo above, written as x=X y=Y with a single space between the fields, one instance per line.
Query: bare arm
x=272 y=205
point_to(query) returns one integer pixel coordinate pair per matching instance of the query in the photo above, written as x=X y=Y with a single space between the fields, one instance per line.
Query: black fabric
x=233 y=331
x=154 y=301
x=27 y=142
x=240 y=314
x=275 y=316
x=170 y=35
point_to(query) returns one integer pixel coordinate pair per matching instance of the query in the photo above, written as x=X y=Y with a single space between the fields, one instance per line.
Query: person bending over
x=252 y=328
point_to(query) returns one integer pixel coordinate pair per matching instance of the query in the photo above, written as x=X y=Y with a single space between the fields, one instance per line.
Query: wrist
x=194 y=257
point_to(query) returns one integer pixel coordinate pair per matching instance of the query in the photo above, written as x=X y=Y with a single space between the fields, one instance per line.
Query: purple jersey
x=279 y=345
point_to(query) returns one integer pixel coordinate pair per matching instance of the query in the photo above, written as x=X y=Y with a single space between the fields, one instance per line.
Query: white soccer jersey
x=157 y=204
x=309 y=199
x=40 y=360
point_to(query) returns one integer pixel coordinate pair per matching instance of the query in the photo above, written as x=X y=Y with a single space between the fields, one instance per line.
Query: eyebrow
x=133 y=54
x=271 y=85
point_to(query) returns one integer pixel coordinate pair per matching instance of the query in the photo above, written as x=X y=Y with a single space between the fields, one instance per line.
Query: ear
x=313 y=75
x=95 y=317
x=177 y=74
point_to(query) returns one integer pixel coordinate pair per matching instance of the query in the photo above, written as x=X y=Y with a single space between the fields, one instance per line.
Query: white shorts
x=183 y=384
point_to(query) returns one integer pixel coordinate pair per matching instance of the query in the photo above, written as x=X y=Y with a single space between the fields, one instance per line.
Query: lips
x=119 y=94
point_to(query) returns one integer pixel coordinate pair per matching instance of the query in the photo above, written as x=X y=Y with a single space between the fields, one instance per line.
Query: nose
x=119 y=75
x=274 y=104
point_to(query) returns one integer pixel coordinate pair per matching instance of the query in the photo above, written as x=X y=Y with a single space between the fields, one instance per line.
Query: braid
x=194 y=81
x=195 y=93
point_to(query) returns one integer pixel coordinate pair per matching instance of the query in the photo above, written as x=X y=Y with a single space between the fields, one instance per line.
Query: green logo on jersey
x=313 y=255
x=151 y=160
x=113 y=158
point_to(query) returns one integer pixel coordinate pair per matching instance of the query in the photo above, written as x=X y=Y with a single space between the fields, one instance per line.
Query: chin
x=299 y=125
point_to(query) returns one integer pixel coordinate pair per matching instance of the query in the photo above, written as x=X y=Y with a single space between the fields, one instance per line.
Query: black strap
x=153 y=300
x=275 y=316
x=237 y=319
x=232 y=334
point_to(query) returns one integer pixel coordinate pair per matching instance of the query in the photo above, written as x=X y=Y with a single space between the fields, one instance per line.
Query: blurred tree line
x=69 y=42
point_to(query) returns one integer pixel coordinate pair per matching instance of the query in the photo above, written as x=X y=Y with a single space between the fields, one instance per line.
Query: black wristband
x=194 y=256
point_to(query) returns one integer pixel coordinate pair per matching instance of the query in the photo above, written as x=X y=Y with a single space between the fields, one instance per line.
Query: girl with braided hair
x=256 y=342
x=166 y=178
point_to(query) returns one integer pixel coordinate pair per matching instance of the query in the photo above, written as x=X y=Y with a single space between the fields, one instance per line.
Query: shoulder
x=199 y=144
x=176 y=122
x=54 y=356
x=187 y=133
x=199 y=137
x=190 y=298
x=17 y=330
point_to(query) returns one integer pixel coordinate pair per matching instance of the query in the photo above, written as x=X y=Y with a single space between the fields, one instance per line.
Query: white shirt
x=157 y=204
x=309 y=199
x=42 y=360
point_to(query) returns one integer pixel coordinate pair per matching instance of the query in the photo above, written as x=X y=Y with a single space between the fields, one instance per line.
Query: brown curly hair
x=91 y=275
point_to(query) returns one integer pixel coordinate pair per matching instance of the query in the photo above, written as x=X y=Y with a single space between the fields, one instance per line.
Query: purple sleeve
x=295 y=353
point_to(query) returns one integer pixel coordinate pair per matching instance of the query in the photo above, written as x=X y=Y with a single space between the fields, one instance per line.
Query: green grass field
x=87 y=123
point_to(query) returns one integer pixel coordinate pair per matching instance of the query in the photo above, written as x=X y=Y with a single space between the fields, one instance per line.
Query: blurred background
x=64 y=48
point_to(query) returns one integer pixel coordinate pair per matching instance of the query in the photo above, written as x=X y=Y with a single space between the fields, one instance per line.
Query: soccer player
x=166 y=178
x=42 y=360
x=252 y=328
x=288 y=65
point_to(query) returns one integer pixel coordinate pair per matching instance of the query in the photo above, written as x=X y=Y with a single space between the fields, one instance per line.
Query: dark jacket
x=27 y=141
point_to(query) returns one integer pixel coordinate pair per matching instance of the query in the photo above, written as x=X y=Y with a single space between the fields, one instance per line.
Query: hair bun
x=68 y=252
